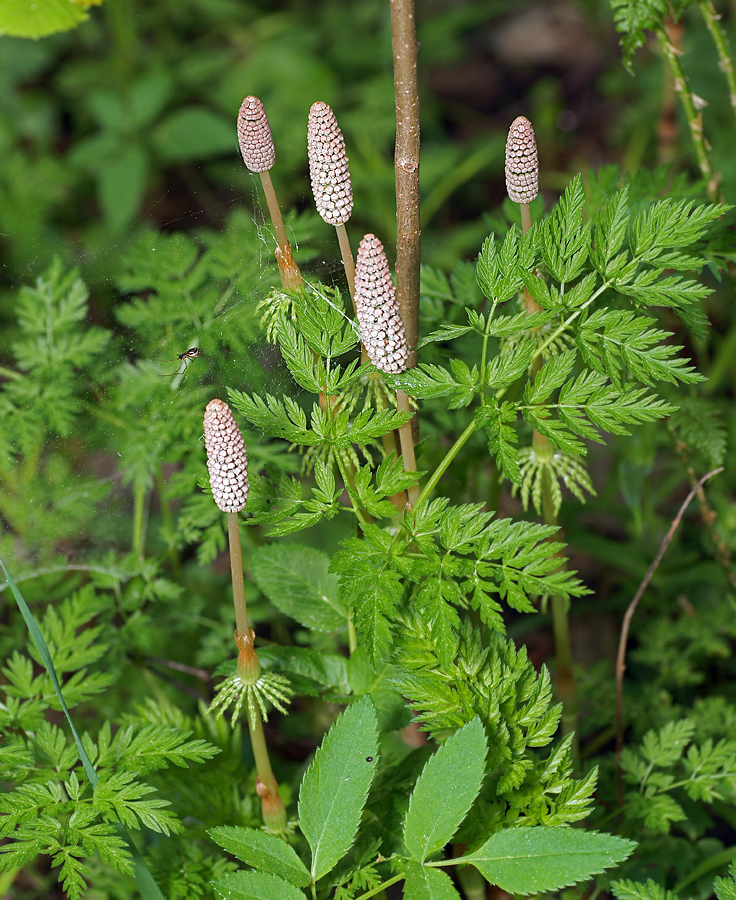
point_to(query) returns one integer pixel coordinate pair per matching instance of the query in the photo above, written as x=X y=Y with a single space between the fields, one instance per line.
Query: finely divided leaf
x=263 y=851
x=500 y=267
x=296 y=580
x=430 y=381
x=502 y=438
x=610 y=232
x=565 y=237
x=670 y=223
x=638 y=890
x=256 y=886
x=423 y=883
x=336 y=784
x=281 y=419
x=445 y=333
x=445 y=791
x=532 y=860
x=724 y=888
x=551 y=376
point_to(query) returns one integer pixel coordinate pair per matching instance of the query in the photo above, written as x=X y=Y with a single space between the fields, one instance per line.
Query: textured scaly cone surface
x=226 y=457
x=522 y=165
x=328 y=166
x=254 y=136
x=381 y=328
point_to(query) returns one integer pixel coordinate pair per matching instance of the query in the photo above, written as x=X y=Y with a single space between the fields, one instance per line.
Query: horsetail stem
x=259 y=155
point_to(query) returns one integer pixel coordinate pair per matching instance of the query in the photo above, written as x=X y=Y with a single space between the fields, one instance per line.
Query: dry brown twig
x=626 y=624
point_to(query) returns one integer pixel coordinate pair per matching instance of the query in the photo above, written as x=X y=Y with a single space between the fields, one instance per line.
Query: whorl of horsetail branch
x=522 y=165
x=381 y=329
x=254 y=136
x=226 y=457
x=328 y=166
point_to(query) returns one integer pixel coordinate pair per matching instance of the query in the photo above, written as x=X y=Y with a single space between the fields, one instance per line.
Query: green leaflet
x=263 y=851
x=18 y=18
x=335 y=786
x=256 y=886
x=295 y=579
x=445 y=791
x=428 y=884
x=531 y=860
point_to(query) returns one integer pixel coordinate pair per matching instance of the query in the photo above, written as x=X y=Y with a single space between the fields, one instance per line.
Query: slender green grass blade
x=147 y=886
x=43 y=652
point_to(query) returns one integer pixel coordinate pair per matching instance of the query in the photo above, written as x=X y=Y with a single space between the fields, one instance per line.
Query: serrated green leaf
x=610 y=232
x=283 y=419
x=430 y=381
x=666 y=746
x=508 y=366
x=565 y=237
x=500 y=268
x=335 y=786
x=19 y=18
x=423 y=883
x=670 y=223
x=255 y=886
x=296 y=580
x=502 y=438
x=263 y=851
x=532 y=860
x=445 y=333
x=445 y=791
x=300 y=359
x=723 y=888
x=551 y=376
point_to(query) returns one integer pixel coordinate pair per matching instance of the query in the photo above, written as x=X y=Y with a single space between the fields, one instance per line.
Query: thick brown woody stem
x=408 y=228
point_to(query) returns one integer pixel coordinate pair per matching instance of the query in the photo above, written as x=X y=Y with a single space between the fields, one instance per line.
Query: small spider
x=185 y=357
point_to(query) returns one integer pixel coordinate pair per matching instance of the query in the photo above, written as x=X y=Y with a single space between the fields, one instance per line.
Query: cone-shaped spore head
x=226 y=457
x=254 y=136
x=328 y=166
x=522 y=165
x=381 y=328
